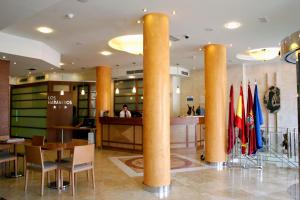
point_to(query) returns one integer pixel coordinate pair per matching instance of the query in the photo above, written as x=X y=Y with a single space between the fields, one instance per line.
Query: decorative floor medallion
x=134 y=165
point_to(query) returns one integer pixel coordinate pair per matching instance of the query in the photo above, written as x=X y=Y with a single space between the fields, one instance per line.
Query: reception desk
x=127 y=133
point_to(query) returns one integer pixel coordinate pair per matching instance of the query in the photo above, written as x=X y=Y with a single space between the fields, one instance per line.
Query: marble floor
x=113 y=184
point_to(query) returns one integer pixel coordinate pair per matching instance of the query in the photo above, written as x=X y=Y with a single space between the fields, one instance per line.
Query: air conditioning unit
x=121 y=73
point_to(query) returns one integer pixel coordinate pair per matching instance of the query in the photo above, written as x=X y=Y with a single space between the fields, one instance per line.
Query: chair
x=82 y=160
x=5 y=157
x=35 y=162
x=36 y=140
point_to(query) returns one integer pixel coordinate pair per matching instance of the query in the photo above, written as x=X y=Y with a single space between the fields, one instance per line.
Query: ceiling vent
x=173 y=38
x=263 y=19
x=23 y=80
x=132 y=72
x=40 y=78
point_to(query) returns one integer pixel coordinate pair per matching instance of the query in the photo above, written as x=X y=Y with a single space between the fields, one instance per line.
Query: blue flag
x=258 y=119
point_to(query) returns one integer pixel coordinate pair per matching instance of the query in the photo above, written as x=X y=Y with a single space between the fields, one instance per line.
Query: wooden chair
x=38 y=140
x=82 y=160
x=6 y=157
x=35 y=162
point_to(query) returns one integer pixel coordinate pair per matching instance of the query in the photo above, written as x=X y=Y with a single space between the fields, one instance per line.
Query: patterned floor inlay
x=134 y=165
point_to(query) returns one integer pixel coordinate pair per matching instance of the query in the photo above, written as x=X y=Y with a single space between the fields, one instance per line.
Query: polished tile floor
x=113 y=184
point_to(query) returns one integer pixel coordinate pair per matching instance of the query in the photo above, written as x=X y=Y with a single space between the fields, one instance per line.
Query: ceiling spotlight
x=72 y=63
x=106 y=53
x=44 y=29
x=145 y=10
x=61 y=63
x=200 y=49
x=70 y=16
x=15 y=63
x=173 y=12
x=209 y=42
x=3 y=57
x=138 y=21
x=52 y=68
x=230 y=45
x=232 y=25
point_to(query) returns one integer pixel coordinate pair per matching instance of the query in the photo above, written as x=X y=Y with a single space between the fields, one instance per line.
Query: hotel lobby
x=149 y=99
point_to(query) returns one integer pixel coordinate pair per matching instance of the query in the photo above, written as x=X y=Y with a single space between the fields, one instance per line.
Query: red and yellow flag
x=240 y=120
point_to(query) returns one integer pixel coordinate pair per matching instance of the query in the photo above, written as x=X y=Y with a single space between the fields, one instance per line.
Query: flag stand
x=236 y=153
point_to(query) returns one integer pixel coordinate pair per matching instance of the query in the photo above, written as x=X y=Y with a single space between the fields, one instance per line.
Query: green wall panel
x=30 y=104
x=29 y=112
x=31 y=89
x=29 y=122
x=29 y=96
x=27 y=132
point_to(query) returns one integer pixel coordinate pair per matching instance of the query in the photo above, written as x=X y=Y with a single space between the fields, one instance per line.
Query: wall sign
x=56 y=101
x=272 y=99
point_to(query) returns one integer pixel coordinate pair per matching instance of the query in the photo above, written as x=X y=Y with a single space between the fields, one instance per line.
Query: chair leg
x=58 y=181
x=42 y=183
x=16 y=166
x=26 y=179
x=73 y=185
x=93 y=177
x=87 y=174
x=48 y=178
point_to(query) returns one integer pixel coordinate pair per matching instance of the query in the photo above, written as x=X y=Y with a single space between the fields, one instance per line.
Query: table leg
x=62 y=135
x=15 y=174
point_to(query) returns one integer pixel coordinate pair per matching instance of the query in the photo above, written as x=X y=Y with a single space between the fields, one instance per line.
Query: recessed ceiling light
x=72 y=63
x=209 y=29
x=232 y=25
x=209 y=42
x=61 y=63
x=44 y=29
x=138 y=21
x=230 y=45
x=70 y=15
x=249 y=48
x=200 y=49
x=3 y=57
x=106 y=53
x=173 y=12
x=52 y=68
x=145 y=10
x=15 y=63
x=131 y=76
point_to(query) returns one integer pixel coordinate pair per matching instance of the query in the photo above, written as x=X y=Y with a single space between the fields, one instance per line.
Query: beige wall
x=263 y=73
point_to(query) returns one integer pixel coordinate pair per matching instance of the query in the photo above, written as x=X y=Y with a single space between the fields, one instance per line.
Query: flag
x=250 y=131
x=231 y=135
x=258 y=119
x=240 y=120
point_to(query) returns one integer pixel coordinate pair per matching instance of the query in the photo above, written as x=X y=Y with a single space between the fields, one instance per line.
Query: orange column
x=215 y=103
x=156 y=117
x=103 y=98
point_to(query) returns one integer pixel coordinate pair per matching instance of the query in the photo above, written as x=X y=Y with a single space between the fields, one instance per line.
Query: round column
x=156 y=118
x=215 y=103
x=103 y=98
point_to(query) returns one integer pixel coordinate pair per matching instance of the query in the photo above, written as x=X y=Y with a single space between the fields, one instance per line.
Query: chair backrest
x=34 y=155
x=83 y=154
x=38 y=140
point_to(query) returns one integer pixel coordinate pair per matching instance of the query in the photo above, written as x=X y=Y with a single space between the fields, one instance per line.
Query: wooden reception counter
x=127 y=133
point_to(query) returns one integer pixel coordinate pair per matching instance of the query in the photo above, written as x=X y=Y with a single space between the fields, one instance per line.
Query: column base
x=219 y=165
x=161 y=191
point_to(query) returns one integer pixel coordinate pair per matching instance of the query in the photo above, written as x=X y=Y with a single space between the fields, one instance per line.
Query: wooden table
x=70 y=128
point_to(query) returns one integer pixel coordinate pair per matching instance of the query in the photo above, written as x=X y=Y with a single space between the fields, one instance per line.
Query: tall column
x=156 y=129
x=103 y=98
x=215 y=103
x=4 y=97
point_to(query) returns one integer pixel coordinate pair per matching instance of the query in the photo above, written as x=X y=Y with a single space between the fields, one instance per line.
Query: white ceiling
x=80 y=39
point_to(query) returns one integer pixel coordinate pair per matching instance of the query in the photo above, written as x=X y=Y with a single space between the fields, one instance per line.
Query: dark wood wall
x=4 y=97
